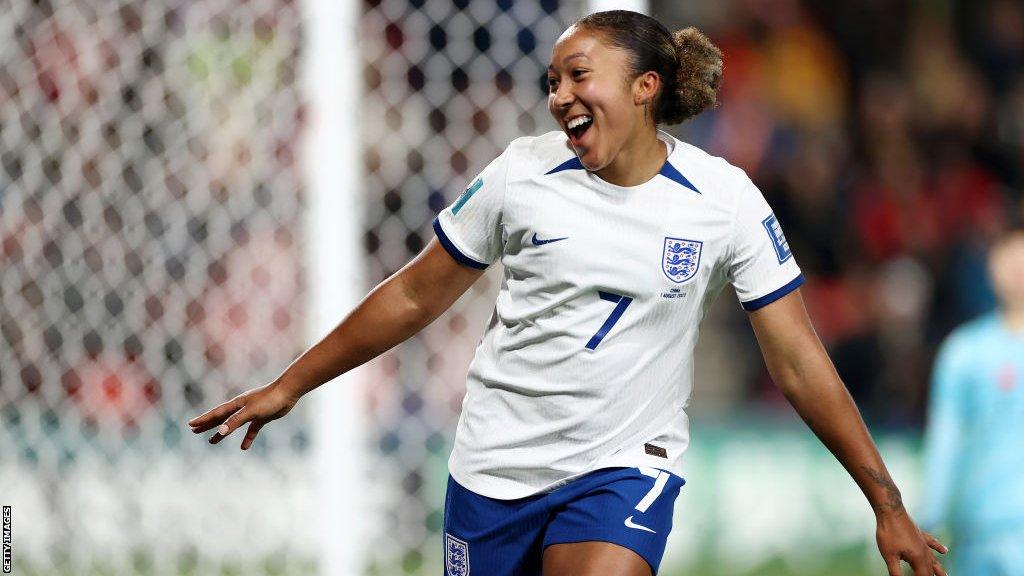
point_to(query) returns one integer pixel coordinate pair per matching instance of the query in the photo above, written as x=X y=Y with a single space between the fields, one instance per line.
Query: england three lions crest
x=456 y=556
x=680 y=259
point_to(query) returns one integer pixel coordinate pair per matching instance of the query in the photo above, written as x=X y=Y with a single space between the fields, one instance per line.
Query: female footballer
x=615 y=238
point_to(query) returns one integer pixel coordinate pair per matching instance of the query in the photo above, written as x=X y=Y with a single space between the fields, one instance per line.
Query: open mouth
x=578 y=126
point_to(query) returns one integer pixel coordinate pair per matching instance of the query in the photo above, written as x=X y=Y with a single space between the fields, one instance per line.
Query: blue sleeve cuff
x=453 y=250
x=774 y=295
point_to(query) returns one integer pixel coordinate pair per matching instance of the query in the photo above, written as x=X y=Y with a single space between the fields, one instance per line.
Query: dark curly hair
x=688 y=63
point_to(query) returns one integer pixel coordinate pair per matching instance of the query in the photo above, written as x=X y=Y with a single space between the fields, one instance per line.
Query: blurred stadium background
x=158 y=255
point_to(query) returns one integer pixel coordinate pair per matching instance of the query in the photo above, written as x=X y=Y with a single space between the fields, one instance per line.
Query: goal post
x=334 y=271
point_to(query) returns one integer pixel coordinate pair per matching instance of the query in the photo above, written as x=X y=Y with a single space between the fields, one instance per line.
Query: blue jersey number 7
x=621 y=302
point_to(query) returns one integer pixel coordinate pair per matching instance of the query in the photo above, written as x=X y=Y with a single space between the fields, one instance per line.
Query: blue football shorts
x=631 y=507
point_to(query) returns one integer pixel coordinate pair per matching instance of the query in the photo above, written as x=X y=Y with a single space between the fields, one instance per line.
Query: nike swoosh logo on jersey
x=630 y=524
x=538 y=242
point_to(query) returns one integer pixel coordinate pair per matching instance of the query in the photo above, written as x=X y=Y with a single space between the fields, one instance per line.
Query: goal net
x=151 y=263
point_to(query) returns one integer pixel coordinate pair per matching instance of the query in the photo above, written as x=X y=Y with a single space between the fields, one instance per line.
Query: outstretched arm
x=396 y=309
x=391 y=313
x=804 y=373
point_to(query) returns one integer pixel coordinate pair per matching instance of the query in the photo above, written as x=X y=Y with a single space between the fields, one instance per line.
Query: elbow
x=789 y=381
x=800 y=374
x=785 y=366
x=415 y=309
x=420 y=314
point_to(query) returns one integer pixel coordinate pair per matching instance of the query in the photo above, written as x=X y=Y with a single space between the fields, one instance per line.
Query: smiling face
x=592 y=98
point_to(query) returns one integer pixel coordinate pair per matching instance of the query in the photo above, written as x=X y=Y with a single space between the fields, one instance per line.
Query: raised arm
x=804 y=373
x=396 y=309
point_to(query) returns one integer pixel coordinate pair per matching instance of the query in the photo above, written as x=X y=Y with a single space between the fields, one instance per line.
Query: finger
x=934 y=543
x=250 y=434
x=894 y=566
x=229 y=425
x=938 y=569
x=215 y=416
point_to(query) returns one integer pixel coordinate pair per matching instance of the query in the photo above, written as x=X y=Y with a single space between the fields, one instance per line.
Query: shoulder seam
x=504 y=188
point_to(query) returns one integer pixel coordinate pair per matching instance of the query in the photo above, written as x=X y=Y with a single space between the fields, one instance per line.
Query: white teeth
x=578 y=121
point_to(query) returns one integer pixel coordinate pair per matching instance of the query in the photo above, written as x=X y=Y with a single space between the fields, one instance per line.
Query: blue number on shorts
x=621 y=303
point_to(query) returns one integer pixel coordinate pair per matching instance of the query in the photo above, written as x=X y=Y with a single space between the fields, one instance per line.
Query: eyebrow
x=569 y=57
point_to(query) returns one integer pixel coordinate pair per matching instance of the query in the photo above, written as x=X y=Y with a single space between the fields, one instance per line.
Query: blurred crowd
x=888 y=137
x=150 y=257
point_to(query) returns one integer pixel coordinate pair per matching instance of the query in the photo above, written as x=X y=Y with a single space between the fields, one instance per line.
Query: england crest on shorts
x=456 y=556
x=680 y=259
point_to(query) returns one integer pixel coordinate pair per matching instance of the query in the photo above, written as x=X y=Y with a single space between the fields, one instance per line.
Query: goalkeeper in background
x=974 y=443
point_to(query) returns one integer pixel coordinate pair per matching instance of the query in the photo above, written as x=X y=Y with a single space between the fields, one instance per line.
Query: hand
x=900 y=539
x=257 y=406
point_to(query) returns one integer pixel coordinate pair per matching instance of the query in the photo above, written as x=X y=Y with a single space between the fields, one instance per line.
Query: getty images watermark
x=7 y=539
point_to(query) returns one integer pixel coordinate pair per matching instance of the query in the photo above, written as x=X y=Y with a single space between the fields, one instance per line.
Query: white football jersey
x=587 y=361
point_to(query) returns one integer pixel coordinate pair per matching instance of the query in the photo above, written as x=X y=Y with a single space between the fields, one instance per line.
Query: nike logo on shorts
x=630 y=524
x=539 y=242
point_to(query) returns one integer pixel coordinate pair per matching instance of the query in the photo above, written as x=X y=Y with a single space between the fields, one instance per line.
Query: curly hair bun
x=698 y=79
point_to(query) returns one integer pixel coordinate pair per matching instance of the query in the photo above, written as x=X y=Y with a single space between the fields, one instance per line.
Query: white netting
x=150 y=203
x=149 y=268
x=448 y=86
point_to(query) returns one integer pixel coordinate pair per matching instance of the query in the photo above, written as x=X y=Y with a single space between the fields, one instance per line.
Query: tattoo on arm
x=895 y=502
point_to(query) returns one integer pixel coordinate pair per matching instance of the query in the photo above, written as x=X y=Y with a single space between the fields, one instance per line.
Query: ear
x=645 y=87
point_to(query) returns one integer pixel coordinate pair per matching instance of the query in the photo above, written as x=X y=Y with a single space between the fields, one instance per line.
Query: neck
x=636 y=163
x=1013 y=316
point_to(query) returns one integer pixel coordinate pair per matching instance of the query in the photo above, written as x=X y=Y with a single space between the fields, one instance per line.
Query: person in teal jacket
x=974 y=442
